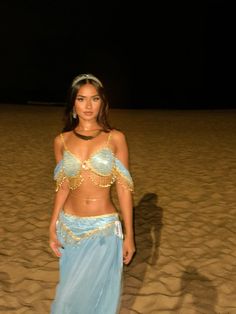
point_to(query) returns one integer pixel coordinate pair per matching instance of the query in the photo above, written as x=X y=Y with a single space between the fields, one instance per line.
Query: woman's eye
x=80 y=99
x=96 y=98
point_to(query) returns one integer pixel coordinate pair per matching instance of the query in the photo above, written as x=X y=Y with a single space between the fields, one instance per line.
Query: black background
x=164 y=54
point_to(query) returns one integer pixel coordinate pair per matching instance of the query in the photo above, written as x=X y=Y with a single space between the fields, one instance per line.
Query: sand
x=184 y=168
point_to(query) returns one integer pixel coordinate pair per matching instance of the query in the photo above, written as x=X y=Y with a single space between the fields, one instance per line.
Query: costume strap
x=63 y=141
x=109 y=138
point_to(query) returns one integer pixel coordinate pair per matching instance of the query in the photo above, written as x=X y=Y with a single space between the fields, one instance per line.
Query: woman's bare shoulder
x=118 y=138
x=65 y=135
x=58 y=140
x=117 y=135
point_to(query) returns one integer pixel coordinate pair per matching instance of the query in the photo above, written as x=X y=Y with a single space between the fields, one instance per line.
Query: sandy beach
x=184 y=168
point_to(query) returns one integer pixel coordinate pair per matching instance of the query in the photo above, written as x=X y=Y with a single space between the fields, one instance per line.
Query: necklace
x=86 y=137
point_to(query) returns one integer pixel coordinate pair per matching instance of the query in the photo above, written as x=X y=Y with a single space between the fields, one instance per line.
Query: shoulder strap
x=109 y=137
x=63 y=141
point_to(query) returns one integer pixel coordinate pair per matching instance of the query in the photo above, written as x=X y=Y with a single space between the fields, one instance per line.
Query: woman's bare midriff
x=91 y=201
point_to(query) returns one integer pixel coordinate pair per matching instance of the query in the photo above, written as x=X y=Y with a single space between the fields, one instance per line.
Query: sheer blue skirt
x=91 y=265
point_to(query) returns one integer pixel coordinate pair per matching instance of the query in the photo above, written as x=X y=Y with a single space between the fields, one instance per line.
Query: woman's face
x=87 y=102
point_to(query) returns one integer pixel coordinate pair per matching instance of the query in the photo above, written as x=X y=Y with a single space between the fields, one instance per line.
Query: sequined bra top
x=103 y=166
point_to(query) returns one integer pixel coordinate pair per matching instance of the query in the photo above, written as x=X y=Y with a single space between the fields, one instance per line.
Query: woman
x=85 y=230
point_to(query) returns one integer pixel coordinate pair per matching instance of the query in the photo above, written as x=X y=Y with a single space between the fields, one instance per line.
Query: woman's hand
x=54 y=243
x=128 y=250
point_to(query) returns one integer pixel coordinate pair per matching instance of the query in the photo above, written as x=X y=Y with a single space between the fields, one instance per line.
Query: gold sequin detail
x=102 y=181
x=74 y=182
x=71 y=236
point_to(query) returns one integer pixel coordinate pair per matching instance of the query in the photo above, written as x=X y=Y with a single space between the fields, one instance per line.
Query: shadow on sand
x=147 y=228
x=200 y=288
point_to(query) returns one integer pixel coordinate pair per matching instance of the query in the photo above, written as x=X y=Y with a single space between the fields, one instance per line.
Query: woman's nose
x=88 y=103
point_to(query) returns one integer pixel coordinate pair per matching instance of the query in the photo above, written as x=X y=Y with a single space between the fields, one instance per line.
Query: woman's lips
x=88 y=113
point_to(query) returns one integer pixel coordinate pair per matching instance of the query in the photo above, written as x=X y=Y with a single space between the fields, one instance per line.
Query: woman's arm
x=59 y=200
x=125 y=198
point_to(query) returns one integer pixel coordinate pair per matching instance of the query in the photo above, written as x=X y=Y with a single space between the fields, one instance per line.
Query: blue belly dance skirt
x=91 y=265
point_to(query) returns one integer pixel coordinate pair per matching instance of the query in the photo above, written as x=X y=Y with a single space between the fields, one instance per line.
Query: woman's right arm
x=59 y=199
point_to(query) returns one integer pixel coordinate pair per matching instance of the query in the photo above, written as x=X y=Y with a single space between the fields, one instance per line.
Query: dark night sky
x=179 y=54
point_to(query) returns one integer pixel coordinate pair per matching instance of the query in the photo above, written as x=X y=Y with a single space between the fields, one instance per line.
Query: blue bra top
x=103 y=166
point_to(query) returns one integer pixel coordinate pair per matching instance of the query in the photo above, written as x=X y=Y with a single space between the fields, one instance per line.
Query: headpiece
x=81 y=77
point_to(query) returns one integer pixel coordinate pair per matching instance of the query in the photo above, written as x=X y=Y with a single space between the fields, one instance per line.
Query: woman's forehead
x=87 y=89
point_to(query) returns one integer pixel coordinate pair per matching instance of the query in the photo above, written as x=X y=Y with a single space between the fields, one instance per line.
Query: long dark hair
x=77 y=83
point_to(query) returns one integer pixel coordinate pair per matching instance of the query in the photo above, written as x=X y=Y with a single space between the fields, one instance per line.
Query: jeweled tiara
x=81 y=77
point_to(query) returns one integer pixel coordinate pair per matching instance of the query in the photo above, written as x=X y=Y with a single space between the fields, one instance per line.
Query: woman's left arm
x=125 y=198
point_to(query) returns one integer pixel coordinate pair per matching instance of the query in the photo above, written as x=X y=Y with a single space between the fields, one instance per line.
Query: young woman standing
x=85 y=229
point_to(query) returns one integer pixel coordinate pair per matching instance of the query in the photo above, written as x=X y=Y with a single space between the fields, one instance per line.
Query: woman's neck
x=87 y=126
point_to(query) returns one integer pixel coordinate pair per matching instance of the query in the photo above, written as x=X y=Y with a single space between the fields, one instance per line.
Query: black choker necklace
x=86 y=137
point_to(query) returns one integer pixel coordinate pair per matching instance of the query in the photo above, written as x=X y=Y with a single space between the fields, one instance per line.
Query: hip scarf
x=72 y=230
x=90 y=266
